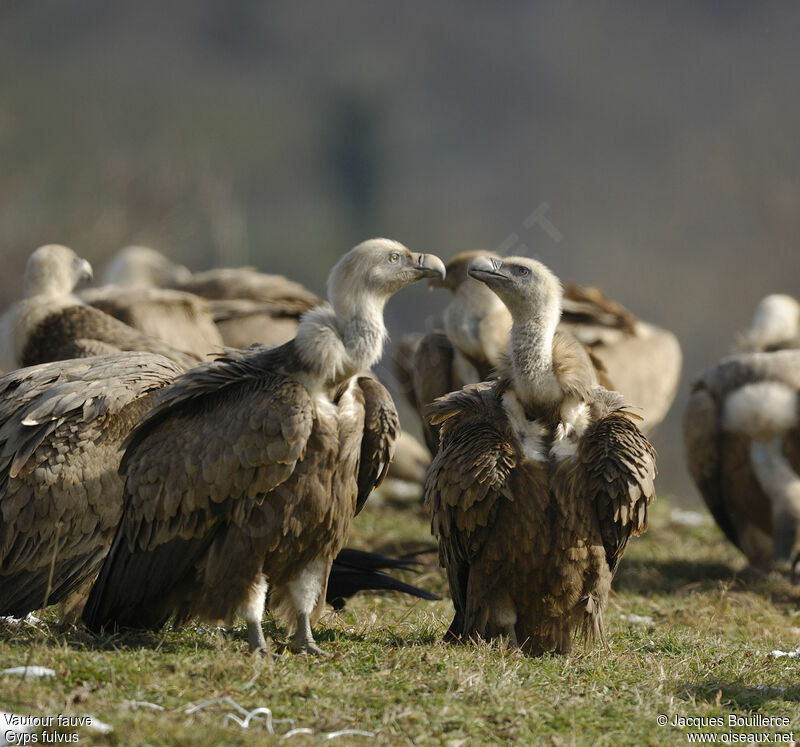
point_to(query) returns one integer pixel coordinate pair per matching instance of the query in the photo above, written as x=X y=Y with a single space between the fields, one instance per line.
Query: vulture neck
x=532 y=357
x=337 y=342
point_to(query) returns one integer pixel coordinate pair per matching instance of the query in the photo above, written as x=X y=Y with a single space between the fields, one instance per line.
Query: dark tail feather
x=357 y=570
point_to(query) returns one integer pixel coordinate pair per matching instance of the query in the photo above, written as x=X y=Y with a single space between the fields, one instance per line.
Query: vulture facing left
x=249 y=469
x=540 y=479
x=61 y=429
x=636 y=358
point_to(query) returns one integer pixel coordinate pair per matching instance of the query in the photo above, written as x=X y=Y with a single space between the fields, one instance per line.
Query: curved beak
x=485 y=268
x=429 y=266
x=85 y=270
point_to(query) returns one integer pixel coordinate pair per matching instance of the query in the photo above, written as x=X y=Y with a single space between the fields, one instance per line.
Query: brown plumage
x=61 y=428
x=250 y=306
x=249 y=469
x=742 y=442
x=247 y=306
x=51 y=323
x=638 y=359
x=182 y=320
x=540 y=479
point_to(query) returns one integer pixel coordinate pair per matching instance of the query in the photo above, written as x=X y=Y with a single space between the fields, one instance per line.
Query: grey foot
x=255 y=638
x=303 y=641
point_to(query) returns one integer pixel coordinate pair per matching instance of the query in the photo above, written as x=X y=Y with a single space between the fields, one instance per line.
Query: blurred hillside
x=660 y=142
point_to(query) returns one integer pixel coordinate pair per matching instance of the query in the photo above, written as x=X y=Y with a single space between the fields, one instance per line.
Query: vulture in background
x=641 y=361
x=248 y=470
x=741 y=432
x=775 y=326
x=540 y=479
x=51 y=323
x=180 y=319
x=61 y=428
x=247 y=306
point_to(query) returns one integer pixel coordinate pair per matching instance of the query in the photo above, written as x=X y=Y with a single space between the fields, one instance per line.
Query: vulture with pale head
x=61 y=430
x=540 y=479
x=51 y=323
x=741 y=433
x=775 y=326
x=640 y=360
x=248 y=471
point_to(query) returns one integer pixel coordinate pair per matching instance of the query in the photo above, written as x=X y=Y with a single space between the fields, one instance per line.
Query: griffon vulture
x=249 y=469
x=61 y=428
x=248 y=306
x=252 y=307
x=741 y=432
x=51 y=323
x=540 y=479
x=180 y=319
x=641 y=361
x=775 y=326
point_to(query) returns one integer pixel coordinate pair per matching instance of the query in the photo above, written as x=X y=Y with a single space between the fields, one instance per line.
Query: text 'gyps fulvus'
x=61 y=430
x=249 y=469
x=540 y=479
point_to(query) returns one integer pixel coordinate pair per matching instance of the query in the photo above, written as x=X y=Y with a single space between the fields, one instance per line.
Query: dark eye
x=523 y=271
x=393 y=257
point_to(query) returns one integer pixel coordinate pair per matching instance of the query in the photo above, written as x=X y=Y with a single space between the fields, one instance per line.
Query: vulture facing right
x=51 y=323
x=249 y=469
x=540 y=479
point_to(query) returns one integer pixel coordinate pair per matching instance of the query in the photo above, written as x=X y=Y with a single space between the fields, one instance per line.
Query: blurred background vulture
x=249 y=469
x=775 y=325
x=638 y=359
x=61 y=428
x=51 y=323
x=247 y=306
x=540 y=479
x=742 y=437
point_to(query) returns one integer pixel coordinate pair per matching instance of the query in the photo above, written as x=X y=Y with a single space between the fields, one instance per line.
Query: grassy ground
x=700 y=646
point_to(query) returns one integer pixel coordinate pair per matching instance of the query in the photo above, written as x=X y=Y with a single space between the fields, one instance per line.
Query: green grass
x=706 y=653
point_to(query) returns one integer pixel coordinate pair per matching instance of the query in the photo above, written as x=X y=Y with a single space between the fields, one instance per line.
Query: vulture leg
x=305 y=592
x=782 y=484
x=252 y=610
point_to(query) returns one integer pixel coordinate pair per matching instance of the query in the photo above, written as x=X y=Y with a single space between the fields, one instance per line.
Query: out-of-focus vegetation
x=663 y=140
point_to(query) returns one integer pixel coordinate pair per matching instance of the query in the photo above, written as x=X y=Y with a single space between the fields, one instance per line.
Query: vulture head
x=776 y=324
x=525 y=286
x=54 y=270
x=457 y=270
x=347 y=336
x=370 y=273
x=141 y=266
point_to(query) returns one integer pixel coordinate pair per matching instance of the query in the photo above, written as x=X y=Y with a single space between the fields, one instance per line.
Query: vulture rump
x=741 y=432
x=249 y=469
x=540 y=479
